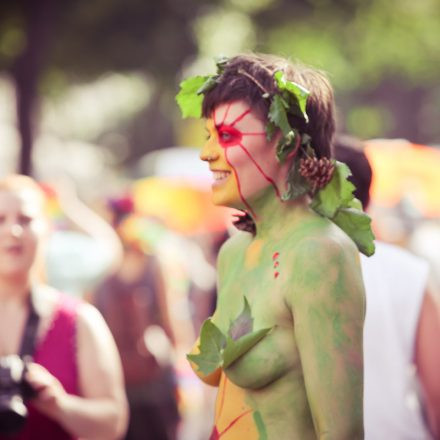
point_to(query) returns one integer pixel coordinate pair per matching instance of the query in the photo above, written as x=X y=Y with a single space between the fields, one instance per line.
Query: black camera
x=14 y=390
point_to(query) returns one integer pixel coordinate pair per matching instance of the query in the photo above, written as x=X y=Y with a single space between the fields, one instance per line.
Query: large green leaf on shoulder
x=357 y=225
x=189 y=97
x=336 y=194
x=212 y=342
x=236 y=348
x=299 y=93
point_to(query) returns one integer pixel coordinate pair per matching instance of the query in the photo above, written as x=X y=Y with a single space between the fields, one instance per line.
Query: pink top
x=57 y=353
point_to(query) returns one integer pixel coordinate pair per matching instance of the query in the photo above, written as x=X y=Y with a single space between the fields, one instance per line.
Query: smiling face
x=20 y=230
x=243 y=162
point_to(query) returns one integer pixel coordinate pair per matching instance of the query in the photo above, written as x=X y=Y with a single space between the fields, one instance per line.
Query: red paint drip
x=234 y=422
x=214 y=434
x=275 y=255
x=239 y=186
x=269 y=179
x=239 y=118
x=276 y=274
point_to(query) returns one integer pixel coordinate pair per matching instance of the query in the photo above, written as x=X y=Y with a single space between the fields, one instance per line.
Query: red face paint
x=229 y=135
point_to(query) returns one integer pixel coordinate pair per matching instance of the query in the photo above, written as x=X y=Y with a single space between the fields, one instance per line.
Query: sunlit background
x=87 y=90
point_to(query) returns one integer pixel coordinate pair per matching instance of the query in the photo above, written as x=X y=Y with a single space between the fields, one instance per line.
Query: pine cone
x=318 y=172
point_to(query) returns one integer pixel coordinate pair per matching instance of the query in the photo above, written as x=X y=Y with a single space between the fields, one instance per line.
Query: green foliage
x=338 y=192
x=294 y=94
x=218 y=350
x=297 y=185
x=235 y=349
x=357 y=225
x=278 y=114
x=190 y=96
x=212 y=342
x=336 y=202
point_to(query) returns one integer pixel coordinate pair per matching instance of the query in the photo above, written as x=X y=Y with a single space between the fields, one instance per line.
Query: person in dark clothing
x=133 y=302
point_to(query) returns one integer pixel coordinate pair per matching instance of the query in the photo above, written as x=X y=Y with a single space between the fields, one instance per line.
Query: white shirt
x=395 y=282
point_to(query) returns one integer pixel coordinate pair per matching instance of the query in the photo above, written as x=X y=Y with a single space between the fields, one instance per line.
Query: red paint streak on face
x=269 y=179
x=276 y=264
x=276 y=274
x=275 y=255
x=240 y=117
x=251 y=211
x=226 y=113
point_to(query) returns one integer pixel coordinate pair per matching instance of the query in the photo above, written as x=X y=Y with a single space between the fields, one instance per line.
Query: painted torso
x=262 y=395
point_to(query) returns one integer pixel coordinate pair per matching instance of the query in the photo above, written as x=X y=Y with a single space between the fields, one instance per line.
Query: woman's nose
x=210 y=151
x=16 y=230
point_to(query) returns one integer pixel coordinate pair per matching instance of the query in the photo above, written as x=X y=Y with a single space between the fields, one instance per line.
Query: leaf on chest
x=212 y=342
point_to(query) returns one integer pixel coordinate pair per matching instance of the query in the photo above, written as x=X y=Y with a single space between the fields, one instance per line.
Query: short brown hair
x=258 y=74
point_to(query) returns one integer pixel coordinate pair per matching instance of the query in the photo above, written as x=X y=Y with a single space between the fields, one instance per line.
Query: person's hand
x=49 y=391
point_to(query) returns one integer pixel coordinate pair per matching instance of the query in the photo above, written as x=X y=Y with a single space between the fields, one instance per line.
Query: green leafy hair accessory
x=192 y=89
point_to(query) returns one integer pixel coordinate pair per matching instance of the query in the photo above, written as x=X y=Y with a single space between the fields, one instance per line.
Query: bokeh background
x=87 y=93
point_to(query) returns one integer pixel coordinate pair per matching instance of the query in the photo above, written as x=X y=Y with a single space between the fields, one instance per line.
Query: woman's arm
x=327 y=300
x=427 y=359
x=101 y=411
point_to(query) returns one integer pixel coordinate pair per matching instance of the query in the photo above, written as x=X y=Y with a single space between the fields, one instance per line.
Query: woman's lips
x=220 y=176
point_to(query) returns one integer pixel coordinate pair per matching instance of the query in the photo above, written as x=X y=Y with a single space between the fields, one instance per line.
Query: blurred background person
x=76 y=372
x=82 y=248
x=402 y=329
x=134 y=304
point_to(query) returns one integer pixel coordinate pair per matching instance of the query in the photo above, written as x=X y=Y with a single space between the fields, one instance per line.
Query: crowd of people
x=302 y=337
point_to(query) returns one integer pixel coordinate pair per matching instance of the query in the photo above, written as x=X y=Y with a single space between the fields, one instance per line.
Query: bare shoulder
x=325 y=265
x=91 y=322
x=323 y=243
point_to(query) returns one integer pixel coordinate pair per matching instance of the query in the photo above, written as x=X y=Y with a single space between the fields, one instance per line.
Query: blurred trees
x=382 y=55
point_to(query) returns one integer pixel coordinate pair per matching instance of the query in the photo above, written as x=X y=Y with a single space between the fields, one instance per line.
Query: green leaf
x=271 y=128
x=298 y=92
x=235 y=349
x=212 y=342
x=189 y=99
x=297 y=185
x=357 y=225
x=221 y=63
x=243 y=324
x=207 y=85
x=286 y=145
x=277 y=114
x=337 y=193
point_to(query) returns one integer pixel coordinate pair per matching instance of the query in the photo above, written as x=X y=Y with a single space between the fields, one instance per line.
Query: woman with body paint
x=284 y=345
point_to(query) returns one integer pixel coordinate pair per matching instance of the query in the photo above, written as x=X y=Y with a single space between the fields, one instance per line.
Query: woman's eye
x=229 y=135
x=225 y=136
x=24 y=220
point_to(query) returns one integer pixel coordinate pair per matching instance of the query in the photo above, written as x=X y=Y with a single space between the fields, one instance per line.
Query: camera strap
x=30 y=331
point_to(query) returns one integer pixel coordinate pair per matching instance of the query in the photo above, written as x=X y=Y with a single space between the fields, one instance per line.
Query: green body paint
x=303 y=380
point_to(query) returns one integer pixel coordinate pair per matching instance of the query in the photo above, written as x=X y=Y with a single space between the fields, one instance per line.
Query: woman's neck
x=271 y=213
x=14 y=290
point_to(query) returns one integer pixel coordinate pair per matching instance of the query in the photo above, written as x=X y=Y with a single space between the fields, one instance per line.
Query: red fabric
x=57 y=353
